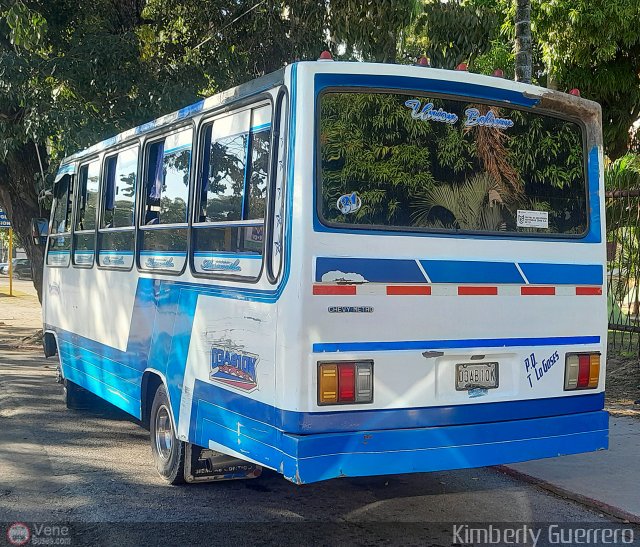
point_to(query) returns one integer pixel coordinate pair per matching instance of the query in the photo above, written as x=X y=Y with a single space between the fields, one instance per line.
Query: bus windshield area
x=404 y=161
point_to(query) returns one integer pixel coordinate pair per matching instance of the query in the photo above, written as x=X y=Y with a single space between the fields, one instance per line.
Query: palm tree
x=475 y=205
x=524 y=57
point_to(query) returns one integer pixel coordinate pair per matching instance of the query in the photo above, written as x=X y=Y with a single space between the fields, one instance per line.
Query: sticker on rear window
x=532 y=219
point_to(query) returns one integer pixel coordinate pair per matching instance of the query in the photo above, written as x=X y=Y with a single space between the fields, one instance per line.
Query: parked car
x=21 y=268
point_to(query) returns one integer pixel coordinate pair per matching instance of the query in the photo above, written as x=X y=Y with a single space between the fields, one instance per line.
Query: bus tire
x=75 y=397
x=168 y=451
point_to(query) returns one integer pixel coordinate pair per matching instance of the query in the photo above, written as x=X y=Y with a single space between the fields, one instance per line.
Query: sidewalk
x=20 y=317
x=608 y=481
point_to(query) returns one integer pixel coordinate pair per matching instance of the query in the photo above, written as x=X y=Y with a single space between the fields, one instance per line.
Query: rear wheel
x=168 y=451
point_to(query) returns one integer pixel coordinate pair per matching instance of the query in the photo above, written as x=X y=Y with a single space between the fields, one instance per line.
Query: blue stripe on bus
x=227 y=255
x=454 y=344
x=358 y=420
x=593 y=180
x=448 y=87
x=378 y=270
x=388 y=270
x=562 y=274
x=466 y=271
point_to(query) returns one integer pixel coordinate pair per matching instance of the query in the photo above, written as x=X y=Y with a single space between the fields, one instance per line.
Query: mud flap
x=206 y=465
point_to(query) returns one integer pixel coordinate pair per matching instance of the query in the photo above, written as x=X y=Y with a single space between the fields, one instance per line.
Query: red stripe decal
x=588 y=291
x=334 y=289
x=407 y=289
x=538 y=290
x=477 y=291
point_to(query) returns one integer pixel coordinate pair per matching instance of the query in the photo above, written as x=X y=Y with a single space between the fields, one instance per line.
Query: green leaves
x=27 y=27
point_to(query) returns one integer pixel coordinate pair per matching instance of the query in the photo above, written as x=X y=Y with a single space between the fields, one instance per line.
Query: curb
x=601 y=506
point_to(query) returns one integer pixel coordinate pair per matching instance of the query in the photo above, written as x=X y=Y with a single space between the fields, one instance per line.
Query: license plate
x=472 y=375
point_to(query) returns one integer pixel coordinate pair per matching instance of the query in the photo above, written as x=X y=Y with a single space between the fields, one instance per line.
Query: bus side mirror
x=39 y=230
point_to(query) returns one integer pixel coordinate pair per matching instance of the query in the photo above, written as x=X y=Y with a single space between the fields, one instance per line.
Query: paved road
x=94 y=467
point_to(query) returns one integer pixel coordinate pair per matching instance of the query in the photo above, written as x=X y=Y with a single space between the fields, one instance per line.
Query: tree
x=594 y=45
x=450 y=33
x=523 y=41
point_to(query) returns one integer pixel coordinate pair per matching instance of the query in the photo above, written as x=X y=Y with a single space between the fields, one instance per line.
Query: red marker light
x=575 y=91
x=325 y=56
x=498 y=73
x=423 y=61
x=462 y=66
x=583 y=370
x=346 y=382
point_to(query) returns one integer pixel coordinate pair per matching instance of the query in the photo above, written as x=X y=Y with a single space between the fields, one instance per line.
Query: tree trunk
x=18 y=197
x=524 y=57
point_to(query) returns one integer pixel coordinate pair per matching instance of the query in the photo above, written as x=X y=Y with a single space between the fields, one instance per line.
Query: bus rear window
x=404 y=161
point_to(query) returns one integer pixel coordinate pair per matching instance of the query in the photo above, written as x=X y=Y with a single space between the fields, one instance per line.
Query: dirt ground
x=623 y=384
x=20 y=318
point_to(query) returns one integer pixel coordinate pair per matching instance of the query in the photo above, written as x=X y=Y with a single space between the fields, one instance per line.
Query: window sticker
x=532 y=219
x=428 y=113
x=473 y=117
x=349 y=203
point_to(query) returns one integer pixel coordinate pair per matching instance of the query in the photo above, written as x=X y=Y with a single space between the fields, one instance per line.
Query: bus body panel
x=421 y=304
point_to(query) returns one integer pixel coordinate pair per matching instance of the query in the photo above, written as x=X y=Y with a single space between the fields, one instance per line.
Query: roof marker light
x=462 y=66
x=575 y=91
x=423 y=61
x=325 y=56
x=498 y=73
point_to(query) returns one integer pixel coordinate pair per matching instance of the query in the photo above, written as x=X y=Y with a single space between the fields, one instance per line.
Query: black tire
x=168 y=451
x=75 y=397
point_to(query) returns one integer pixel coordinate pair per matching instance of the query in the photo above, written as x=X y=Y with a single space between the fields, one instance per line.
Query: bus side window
x=228 y=232
x=59 y=248
x=116 y=236
x=86 y=208
x=163 y=227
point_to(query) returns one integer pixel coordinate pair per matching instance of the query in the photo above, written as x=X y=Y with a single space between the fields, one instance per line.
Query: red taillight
x=346 y=383
x=583 y=371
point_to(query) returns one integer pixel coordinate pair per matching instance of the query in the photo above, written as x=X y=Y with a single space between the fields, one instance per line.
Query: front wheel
x=168 y=451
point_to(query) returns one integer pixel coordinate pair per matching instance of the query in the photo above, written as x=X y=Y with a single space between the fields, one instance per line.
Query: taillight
x=582 y=371
x=345 y=382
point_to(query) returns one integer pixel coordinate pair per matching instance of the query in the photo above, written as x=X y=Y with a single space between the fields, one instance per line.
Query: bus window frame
x=378 y=229
x=282 y=95
x=76 y=201
x=250 y=103
x=108 y=154
x=74 y=177
x=142 y=164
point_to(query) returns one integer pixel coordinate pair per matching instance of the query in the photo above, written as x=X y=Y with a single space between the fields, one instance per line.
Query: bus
x=340 y=269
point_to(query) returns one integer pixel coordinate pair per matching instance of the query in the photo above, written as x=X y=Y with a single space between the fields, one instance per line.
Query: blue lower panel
x=311 y=458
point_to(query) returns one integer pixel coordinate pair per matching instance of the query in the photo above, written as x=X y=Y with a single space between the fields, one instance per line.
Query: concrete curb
x=605 y=508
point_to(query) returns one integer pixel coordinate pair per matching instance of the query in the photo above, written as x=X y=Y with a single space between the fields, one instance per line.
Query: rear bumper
x=311 y=458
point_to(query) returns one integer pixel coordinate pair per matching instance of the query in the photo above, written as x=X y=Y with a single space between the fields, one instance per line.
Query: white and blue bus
x=340 y=269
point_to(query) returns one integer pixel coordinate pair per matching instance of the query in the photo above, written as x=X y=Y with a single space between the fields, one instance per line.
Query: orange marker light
x=594 y=370
x=328 y=380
